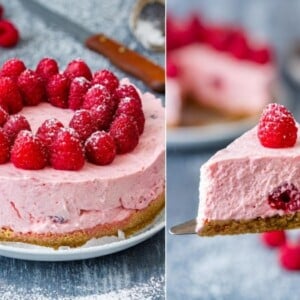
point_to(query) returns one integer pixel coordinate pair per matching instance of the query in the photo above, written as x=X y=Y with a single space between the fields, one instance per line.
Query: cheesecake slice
x=250 y=187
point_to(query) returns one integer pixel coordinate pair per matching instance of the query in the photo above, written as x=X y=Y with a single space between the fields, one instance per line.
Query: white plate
x=36 y=253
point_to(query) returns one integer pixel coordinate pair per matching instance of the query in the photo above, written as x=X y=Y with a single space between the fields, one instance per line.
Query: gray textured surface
x=137 y=273
x=236 y=267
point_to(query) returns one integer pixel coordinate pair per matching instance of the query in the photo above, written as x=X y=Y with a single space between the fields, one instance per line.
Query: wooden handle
x=129 y=61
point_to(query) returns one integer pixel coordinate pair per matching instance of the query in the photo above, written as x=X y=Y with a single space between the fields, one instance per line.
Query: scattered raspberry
x=48 y=130
x=96 y=95
x=277 y=127
x=78 y=88
x=107 y=79
x=274 y=238
x=4 y=116
x=78 y=68
x=261 y=56
x=126 y=90
x=66 y=151
x=289 y=257
x=12 y=68
x=32 y=87
x=83 y=123
x=10 y=96
x=131 y=108
x=9 y=34
x=125 y=133
x=28 y=152
x=282 y=196
x=46 y=68
x=58 y=90
x=102 y=115
x=4 y=147
x=100 y=148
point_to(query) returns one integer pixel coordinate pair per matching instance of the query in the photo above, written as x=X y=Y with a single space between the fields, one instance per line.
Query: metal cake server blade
x=188 y=227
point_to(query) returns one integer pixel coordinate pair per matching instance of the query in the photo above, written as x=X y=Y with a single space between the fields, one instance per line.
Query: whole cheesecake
x=55 y=208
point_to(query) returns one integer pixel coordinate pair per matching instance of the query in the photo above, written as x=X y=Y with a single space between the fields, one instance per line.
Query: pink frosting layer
x=56 y=201
x=217 y=79
x=174 y=102
x=236 y=181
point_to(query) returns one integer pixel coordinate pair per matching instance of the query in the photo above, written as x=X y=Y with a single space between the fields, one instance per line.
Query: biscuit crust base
x=258 y=225
x=135 y=222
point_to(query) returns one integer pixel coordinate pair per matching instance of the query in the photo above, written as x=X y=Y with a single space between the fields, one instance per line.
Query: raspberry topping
x=28 y=152
x=58 y=90
x=4 y=116
x=83 y=123
x=172 y=69
x=96 y=95
x=48 y=130
x=100 y=148
x=277 y=127
x=14 y=125
x=10 y=96
x=125 y=133
x=274 y=238
x=106 y=78
x=4 y=147
x=12 y=68
x=46 y=68
x=66 y=151
x=102 y=115
x=78 y=88
x=125 y=90
x=78 y=68
x=289 y=257
x=261 y=56
x=9 y=34
x=32 y=87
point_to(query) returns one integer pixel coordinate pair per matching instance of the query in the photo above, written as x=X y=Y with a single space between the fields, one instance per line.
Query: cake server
x=188 y=227
x=122 y=57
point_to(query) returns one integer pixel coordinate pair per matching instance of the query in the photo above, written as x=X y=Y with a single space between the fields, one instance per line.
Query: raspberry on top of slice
x=277 y=127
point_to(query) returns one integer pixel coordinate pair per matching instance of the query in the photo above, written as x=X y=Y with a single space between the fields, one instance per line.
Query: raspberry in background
x=78 y=68
x=32 y=87
x=277 y=127
x=58 y=90
x=274 y=239
x=107 y=79
x=78 y=88
x=12 y=68
x=9 y=34
x=4 y=147
x=28 y=152
x=289 y=257
x=46 y=68
x=261 y=55
x=100 y=148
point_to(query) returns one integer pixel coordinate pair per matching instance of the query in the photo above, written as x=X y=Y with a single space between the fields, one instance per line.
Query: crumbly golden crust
x=138 y=220
x=227 y=227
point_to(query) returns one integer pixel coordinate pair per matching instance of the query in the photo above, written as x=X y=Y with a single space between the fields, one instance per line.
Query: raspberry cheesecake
x=212 y=62
x=82 y=155
x=253 y=185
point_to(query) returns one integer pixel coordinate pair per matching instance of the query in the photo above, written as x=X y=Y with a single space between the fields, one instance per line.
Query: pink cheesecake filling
x=219 y=80
x=235 y=182
x=57 y=201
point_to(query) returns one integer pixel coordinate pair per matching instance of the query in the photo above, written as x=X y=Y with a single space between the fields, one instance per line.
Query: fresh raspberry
x=100 y=148
x=78 y=68
x=289 y=257
x=106 y=78
x=32 y=87
x=239 y=46
x=10 y=96
x=9 y=34
x=83 y=123
x=14 y=125
x=78 y=88
x=102 y=115
x=130 y=107
x=46 y=68
x=97 y=95
x=4 y=147
x=127 y=90
x=261 y=56
x=28 y=152
x=282 y=196
x=274 y=238
x=125 y=133
x=66 y=151
x=218 y=37
x=4 y=116
x=48 y=130
x=172 y=69
x=277 y=127
x=58 y=90
x=12 y=68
